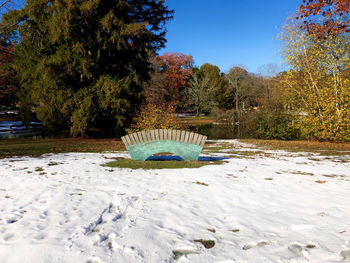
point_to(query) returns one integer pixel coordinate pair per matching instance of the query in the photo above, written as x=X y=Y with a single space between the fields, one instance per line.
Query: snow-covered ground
x=279 y=207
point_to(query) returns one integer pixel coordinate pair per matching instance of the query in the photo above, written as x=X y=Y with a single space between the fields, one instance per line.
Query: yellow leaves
x=154 y=116
x=318 y=82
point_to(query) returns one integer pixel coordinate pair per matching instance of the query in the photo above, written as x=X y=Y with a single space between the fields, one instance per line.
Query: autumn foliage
x=8 y=82
x=154 y=116
x=178 y=69
x=318 y=83
x=325 y=17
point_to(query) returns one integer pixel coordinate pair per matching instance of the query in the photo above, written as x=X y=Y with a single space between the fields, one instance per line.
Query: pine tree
x=82 y=63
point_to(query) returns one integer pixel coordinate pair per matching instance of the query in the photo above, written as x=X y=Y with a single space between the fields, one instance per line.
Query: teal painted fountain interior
x=187 y=151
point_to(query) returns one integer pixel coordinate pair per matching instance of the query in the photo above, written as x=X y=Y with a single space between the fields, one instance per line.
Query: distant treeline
x=82 y=67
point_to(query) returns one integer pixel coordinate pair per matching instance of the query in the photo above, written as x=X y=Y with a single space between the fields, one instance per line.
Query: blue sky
x=228 y=32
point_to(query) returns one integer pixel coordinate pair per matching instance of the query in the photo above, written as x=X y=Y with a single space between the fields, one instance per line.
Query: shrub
x=277 y=124
x=154 y=116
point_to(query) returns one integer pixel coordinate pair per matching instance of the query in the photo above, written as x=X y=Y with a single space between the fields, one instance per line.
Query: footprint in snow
x=94 y=260
x=39 y=227
x=123 y=215
x=44 y=215
x=14 y=218
x=71 y=240
x=111 y=241
x=39 y=237
x=8 y=237
x=297 y=249
x=131 y=251
x=261 y=243
x=183 y=251
x=249 y=245
x=160 y=195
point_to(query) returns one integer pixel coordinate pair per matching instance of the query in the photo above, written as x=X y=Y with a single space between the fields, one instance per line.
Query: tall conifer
x=81 y=63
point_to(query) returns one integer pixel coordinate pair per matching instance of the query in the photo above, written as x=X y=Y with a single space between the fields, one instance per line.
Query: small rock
x=263 y=243
x=310 y=245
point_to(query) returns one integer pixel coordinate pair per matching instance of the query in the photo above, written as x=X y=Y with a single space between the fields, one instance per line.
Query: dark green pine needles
x=81 y=63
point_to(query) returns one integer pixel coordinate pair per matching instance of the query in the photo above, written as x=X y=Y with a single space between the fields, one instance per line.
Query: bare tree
x=235 y=77
x=4 y=5
x=268 y=72
x=200 y=92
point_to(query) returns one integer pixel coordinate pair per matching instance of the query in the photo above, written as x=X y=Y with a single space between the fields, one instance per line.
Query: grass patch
x=300 y=172
x=323 y=148
x=195 y=120
x=215 y=148
x=177 y=254
x=129 y=163
x=53 y=163
x=247 y=153
x=75 y=194
x=39 y=169
x=232 y=152
x=314 y=159
x=37 y=147
x=201 y=183
x=235 y=230
x=333 y=175
x=206 y=243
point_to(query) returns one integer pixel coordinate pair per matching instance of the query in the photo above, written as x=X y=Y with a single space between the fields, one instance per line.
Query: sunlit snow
x=280 y=207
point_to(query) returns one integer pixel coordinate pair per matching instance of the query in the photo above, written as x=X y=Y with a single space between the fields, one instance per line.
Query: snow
x=69 y=208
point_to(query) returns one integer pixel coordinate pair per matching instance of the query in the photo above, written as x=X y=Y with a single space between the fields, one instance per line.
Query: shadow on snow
x=178 y=158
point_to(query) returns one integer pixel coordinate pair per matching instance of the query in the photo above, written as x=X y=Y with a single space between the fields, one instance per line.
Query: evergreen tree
x=217 y=82
x=81 y=64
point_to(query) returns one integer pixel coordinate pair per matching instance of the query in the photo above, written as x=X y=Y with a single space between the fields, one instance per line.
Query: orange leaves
x=8 y=81
x=322 y=18
x=178 y=69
